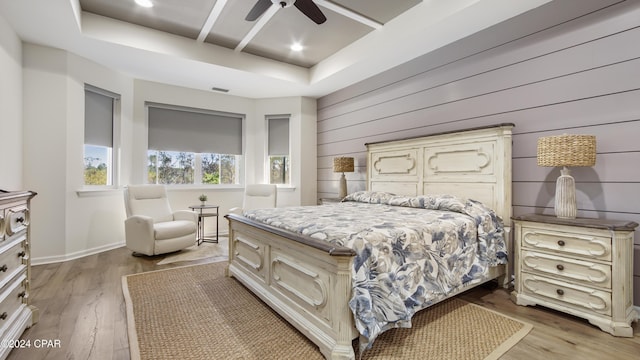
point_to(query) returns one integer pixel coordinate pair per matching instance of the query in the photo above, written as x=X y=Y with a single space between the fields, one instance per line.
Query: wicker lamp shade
x=343 y=164
x=567 y=150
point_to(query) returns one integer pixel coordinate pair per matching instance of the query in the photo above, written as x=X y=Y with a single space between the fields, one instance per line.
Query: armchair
x=151 y=227
x=257 y=196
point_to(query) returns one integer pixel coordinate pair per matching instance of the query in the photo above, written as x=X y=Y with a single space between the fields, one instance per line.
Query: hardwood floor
x=81 y=304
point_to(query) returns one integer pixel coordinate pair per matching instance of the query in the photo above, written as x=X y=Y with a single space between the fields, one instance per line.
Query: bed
x=314 y=265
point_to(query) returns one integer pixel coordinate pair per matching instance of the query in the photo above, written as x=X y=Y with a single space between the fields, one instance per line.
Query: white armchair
x=151 y=228
x=257 y=196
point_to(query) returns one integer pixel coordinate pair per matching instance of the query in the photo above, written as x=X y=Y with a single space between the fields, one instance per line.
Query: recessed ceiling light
x=144 y=3
x=296 y=47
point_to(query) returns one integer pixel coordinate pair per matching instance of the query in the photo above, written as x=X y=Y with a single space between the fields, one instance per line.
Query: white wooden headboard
x=473 y=163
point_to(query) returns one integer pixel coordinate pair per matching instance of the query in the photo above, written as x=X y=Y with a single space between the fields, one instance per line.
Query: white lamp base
x=343 y=187
x=565 y=202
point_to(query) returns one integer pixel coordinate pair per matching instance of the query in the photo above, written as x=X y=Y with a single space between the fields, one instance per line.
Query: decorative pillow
x=371 y=197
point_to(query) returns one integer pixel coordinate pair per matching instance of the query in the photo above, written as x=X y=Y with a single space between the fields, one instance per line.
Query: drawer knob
x=21 y=254
x=560 y=292
x=4 y=268
x=561 y=242
x=4 y=315
x=560 y=267
x=20 y=220
x=22 y=294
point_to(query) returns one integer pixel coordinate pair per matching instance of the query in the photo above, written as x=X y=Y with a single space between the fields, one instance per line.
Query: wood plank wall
x=581 y=76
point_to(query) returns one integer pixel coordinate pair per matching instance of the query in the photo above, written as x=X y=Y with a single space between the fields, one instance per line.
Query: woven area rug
x=205 y=250
x=195 y=312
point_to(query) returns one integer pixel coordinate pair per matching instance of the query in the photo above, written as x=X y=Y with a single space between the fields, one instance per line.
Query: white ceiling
x=247 y=59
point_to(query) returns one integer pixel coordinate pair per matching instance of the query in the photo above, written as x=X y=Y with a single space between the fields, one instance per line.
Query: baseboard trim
x=78 y=254
x=62 y=258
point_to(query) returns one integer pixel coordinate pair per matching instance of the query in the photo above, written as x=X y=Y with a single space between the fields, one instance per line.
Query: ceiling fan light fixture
x=144 y=3
x=307 y=7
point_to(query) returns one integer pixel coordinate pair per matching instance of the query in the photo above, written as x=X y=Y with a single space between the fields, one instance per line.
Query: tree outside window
x=278 y=170
x=96 y=170
x=174 y=167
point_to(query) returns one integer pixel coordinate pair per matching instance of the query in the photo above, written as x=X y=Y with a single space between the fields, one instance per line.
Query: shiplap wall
x=581 y=77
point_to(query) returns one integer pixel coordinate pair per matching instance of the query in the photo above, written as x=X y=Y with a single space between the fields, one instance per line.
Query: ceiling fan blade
x=258 y=9
x=309 y=8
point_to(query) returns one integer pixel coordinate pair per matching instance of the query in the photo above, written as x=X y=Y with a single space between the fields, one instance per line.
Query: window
x=278 y=143
x=193 y=146
x=99 y=122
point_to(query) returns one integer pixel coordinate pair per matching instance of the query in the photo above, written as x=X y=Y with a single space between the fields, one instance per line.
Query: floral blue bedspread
x=411 y=252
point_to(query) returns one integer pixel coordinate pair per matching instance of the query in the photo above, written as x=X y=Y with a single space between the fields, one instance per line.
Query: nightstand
x=325 y=201
x=583 y=267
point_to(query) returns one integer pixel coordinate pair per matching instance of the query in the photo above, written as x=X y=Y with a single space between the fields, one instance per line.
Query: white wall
x=10 y=108
x=65 y=224
x=70 y=221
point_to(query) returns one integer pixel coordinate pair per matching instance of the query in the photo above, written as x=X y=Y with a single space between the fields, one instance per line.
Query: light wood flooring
x=81 y=304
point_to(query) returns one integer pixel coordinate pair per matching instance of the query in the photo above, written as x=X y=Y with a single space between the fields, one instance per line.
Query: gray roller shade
x=98 y=119
x=194 y=130
x=278 y=136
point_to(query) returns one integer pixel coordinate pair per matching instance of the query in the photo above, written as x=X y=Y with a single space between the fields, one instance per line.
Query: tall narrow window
x=99 y=122
x=193 y=146
x=279 y=162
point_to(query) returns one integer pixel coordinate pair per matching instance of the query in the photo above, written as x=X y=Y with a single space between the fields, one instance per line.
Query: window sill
x=89 y=192
x=205 y=187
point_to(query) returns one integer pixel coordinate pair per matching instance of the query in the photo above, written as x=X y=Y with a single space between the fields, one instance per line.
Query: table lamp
x=343 y=165
x=566 y=150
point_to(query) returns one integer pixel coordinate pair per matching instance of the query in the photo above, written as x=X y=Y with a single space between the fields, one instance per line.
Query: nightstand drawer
x=583 y=272
x=569 y=295
x=566 y=243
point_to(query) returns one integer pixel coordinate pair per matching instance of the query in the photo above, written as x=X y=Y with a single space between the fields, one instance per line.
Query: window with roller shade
x=278 y=144
x=193 y=146
x=100 y=120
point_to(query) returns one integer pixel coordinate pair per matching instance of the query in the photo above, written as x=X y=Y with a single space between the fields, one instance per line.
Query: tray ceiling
x=208 y=44
x=222 y=23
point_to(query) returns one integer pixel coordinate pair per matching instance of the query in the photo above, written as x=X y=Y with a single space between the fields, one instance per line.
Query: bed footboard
x=307 y=283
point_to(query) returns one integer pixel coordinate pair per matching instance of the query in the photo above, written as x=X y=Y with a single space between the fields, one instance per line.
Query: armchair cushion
x=173 y=229
x=150 y=201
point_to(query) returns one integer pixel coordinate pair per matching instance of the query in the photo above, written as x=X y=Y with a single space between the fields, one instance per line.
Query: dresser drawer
x=12 y=299
x=580 y=298
x=11 y=258
x=567 y=243
x=17 y=219
x=579 y=271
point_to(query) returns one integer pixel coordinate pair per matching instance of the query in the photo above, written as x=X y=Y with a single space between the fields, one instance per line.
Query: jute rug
x=195 y=312
x=205 y=250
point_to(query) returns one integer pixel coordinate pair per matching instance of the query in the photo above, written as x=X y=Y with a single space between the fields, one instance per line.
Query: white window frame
x=268 y=156
x=197 y=170
x=113 y=164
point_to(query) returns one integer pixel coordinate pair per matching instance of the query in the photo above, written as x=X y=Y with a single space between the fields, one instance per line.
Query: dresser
x=582 y=267
x=16 y=313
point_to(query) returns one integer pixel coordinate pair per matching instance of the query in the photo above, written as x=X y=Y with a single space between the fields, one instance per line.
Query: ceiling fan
x=307 y=7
